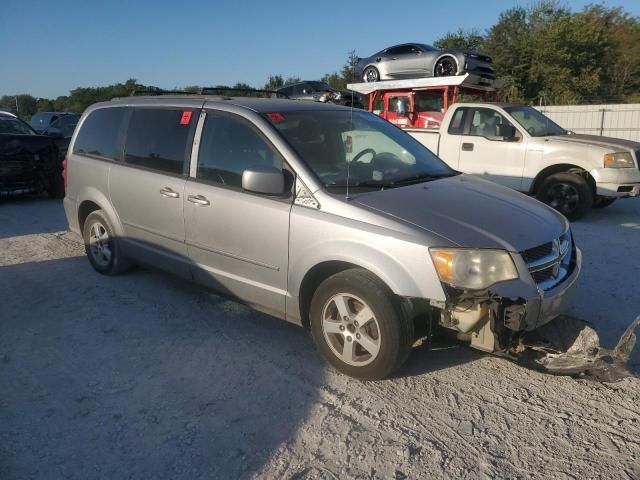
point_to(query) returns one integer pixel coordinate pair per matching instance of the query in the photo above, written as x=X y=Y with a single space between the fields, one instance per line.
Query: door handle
x=199 y=200
x=467 y=147
x=169 y=193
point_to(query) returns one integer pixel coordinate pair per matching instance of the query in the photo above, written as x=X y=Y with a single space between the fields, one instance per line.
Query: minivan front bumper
x=522 y=306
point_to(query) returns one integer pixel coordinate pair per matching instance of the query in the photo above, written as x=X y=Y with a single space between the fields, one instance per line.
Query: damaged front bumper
x=493 y=320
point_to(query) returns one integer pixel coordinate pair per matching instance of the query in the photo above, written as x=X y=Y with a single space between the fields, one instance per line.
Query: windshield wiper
x=423 y=177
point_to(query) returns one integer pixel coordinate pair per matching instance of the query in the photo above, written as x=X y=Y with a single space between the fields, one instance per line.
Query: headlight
x=473 y=269
x=618 y=160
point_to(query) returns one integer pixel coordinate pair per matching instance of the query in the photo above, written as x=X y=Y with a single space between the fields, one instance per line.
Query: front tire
x=55 y=188
x=568 y=193
x=370 y=74
x=446 y=67
x=358 y=325
x=102 y=246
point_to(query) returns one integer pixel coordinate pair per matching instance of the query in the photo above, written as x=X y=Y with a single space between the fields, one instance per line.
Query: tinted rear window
x=99 y=133
x=160 y=139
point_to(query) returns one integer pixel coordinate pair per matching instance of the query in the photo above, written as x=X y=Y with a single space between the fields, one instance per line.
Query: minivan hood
x=613 y=144
x=470 y=212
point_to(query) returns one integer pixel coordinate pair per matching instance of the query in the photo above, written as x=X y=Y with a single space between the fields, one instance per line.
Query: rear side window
x=99 y=133
x=160 y=139
x=457 y=124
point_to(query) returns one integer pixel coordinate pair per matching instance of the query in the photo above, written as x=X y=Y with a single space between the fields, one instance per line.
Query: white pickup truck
x=517 y=146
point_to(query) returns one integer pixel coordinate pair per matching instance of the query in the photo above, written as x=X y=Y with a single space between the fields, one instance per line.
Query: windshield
x=535 y=122
x=319 y=86
x=379 y=155
x=428 y=102
x=15 y=126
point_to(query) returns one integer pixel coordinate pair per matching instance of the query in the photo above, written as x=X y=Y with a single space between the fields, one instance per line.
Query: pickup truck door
x=486 y=155
x=238 y=241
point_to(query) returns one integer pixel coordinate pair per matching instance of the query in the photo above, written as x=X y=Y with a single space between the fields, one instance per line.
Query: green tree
x=461 y=40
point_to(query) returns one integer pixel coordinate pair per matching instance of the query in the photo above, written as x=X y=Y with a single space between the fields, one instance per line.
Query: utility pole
x=17 y=109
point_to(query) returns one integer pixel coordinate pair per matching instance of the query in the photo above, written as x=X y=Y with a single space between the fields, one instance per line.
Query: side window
x=456 y=127
x=399 y=105
x=378 y=105
x=229 y=145
x=484 y=123
x=160 y=139
x=99 y=133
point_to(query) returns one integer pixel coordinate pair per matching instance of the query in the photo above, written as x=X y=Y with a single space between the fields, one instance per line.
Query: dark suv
x=43 y=120
x=28 y=162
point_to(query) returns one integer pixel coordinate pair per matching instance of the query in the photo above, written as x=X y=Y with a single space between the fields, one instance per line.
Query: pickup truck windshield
x=535 y=122
x=379 y=155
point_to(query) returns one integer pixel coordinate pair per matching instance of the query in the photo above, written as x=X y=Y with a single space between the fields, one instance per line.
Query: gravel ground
x=146 y=376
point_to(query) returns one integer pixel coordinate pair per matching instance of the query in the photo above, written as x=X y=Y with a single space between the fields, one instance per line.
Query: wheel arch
x=91 y=200
x=445 y=55
x=560 y=168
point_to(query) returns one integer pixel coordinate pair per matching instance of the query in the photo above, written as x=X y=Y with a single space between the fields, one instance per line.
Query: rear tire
x=370 y=74
x=102 y=246
x=568 y=193
x=359 y=326
x=603 y=202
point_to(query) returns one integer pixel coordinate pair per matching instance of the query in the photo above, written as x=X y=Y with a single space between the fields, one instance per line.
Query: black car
x=319 y=91
x=28 y=162
x=61 y=132
x=417 y=60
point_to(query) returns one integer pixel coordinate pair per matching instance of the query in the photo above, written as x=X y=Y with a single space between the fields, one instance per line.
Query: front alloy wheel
x=359 y=326
x=350 y=329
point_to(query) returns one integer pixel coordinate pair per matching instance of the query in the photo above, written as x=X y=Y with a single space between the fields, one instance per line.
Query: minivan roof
x=258 y=105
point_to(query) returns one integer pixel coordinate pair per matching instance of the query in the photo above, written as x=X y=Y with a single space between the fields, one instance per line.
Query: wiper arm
x=422 y=177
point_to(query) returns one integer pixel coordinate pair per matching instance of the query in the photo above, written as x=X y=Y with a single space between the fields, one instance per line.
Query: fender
x=89 y=193
x=388 y=262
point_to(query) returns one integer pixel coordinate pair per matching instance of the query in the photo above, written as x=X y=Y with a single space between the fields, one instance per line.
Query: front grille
x=550 y=262
x=536 y=253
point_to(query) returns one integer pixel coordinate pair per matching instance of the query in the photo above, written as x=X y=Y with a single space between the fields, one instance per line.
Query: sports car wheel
x=370 y=74
x=445 y=67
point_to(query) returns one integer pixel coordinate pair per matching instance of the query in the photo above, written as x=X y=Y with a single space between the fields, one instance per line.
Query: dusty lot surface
x=145 y=376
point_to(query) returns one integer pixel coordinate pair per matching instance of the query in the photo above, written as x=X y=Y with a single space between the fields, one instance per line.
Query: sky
x=50 y=47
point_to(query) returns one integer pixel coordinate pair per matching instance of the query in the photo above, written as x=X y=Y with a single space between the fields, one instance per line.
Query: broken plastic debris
x=568 y=346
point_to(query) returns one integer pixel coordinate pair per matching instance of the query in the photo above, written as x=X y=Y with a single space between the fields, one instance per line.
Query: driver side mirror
x=265 y=180
x=508 y=132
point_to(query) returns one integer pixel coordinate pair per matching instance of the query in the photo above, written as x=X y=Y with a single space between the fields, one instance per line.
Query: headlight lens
x=473 y=269
x=618 y=160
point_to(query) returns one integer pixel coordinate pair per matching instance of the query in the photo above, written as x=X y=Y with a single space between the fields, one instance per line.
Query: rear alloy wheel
x=568 y=193
x=358 y=325
x=370 y=74
x=102 y=246
x=603 y=202
x=446 y=67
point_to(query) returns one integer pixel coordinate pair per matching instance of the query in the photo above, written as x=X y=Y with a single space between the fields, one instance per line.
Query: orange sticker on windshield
x=186 y=118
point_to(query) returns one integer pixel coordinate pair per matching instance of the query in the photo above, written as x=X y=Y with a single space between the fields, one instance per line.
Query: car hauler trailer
x=422 y=102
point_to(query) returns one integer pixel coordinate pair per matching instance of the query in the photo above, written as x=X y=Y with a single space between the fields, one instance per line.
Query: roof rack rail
x=223 y=91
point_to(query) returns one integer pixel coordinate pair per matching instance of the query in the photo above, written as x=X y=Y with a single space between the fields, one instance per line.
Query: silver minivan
x=327 y=217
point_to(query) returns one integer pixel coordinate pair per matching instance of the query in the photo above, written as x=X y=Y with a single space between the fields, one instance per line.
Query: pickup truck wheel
x=370 y=74
x=101 y=245
x=603 y=202
x=568 y=193
x=358 y=325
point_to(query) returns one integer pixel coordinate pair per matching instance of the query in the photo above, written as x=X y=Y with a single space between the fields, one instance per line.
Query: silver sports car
x=415 y=60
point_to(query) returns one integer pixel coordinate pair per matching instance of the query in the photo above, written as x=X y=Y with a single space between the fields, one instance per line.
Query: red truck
x=422 y=102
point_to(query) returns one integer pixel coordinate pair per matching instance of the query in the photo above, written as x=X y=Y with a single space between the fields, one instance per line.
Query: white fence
x=620 y=121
